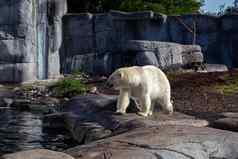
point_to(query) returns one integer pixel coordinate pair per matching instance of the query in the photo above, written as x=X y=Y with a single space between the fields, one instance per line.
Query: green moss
x=77 y=72
x=172 y=75
x=68 y=88
x=26 y=88
x=230 y=86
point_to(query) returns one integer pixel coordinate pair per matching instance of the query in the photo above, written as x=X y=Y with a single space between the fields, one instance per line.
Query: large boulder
x=227 y=121
x=37 y=154
x=92 y=117
x=146 y=58
x=215 y=68
x=164 y=142
x=163 y=54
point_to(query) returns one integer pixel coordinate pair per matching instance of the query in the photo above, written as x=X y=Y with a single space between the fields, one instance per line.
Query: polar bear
x=148 y=85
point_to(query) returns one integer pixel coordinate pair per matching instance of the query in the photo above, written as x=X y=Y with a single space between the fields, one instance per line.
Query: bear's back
x=156 y=80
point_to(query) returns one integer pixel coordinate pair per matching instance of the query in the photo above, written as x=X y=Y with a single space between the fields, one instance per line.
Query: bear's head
x=124 y=78
x=117 y=80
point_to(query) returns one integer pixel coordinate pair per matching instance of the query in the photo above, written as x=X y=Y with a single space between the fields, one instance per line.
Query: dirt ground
x=195 y=93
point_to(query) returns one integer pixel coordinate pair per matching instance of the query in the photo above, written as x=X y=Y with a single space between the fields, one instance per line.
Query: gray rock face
x=227 y=124
x=17 y=41
x=146 y=58
x=177 y=142
x=179 y=136
x=37 y=154
x=192 y=54
x=79 y=41
x=167 y=54
x=88 y=131
x=30 y=39
x=227 y=121
x=18 y=72
x=92 y=117
x=49 y=36
x=109 y=33
x=215 y=68
x=31 y=34
x=120 y=36
x=136 y=52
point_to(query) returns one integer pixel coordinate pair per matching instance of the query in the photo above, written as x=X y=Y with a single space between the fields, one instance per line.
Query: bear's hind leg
x=145 y=103
x=166 y=105
x=170 y=108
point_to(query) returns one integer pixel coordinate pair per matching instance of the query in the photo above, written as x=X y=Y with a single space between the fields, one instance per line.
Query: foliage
x=68 y=87
x=231 y=10
x=223 y=10
x=79 y=75
x=230 y=86
x=169 y=7
x=172 y=75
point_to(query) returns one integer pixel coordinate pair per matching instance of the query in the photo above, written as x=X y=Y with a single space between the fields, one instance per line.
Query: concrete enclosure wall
x=17 y=41
x=36 y=42
x=30 y=39
x=95 y=41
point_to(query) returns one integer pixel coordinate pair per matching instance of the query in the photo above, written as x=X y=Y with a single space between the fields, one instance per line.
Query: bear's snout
x=108 y=84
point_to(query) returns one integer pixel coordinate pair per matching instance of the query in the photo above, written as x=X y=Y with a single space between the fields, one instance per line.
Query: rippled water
x=24 y=131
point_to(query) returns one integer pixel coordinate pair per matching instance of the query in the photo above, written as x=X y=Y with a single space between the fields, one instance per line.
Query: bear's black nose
x=109 y=85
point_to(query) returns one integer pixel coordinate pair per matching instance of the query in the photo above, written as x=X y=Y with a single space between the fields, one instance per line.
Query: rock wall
x=34 y=45
x=30 y=39
x=56 y=10
x=95 y=42
x=17 y=41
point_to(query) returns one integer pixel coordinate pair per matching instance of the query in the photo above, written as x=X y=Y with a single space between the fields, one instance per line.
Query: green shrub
x=169 y=7
x=68 y=88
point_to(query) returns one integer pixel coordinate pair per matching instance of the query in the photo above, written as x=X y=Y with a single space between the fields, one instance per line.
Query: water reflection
x=23 y=131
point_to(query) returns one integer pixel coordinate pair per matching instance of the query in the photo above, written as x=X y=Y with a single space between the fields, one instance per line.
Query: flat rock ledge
x=227 y=121
x=105 y=134
x=164 y=142
x=37 y=154
x=93 y=117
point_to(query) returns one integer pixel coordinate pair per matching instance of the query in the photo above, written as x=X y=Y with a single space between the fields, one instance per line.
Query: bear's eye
x=120 y=75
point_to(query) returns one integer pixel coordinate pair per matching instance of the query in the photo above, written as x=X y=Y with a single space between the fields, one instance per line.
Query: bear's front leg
x=145 y=102
x=151 y=108
x=123 y=101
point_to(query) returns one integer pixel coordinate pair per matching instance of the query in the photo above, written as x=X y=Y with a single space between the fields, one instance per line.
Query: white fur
x=147 y=84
